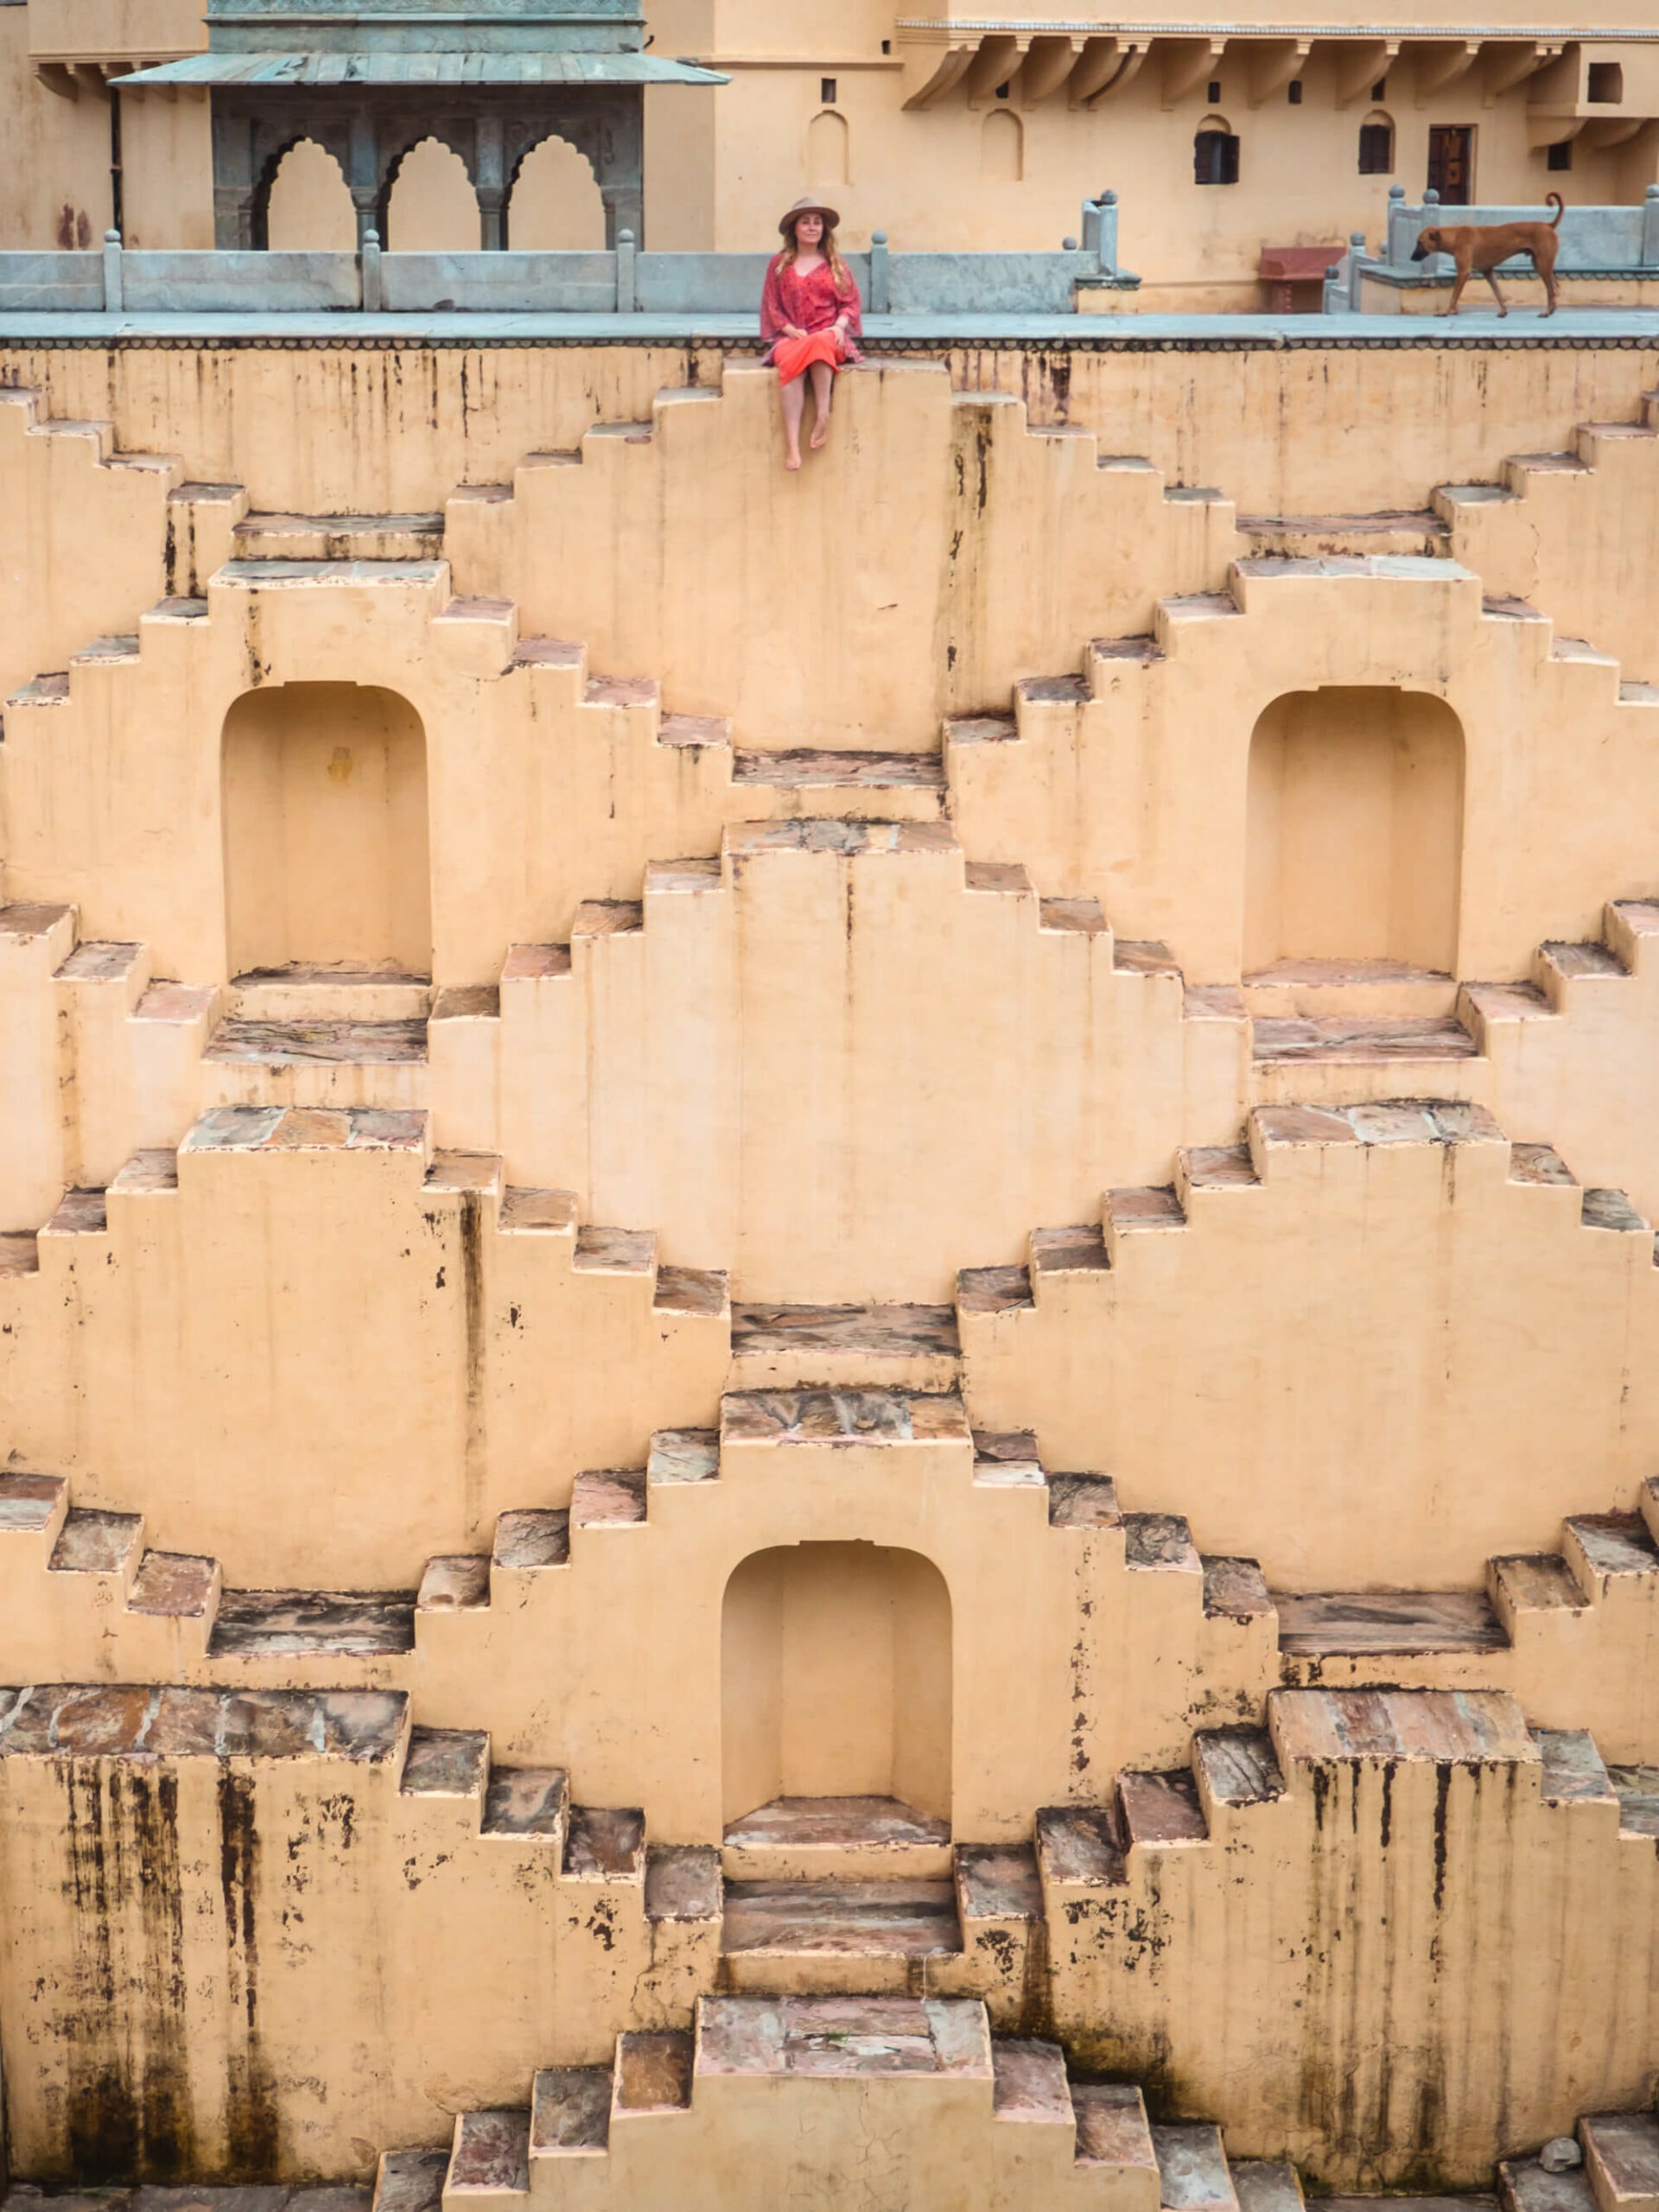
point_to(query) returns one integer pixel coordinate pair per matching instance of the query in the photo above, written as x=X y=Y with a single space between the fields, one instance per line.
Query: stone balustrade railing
x=1594 y=241
x=624 y=282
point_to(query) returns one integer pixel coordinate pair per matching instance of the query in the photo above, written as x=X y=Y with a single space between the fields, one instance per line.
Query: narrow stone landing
x=913 y=1347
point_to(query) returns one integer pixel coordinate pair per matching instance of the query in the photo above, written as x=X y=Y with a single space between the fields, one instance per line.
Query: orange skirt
x=792 y=356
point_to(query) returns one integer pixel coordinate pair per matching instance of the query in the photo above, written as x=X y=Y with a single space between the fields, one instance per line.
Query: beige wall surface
x=1065 y=763
x=57 y=152
x=1280 y=432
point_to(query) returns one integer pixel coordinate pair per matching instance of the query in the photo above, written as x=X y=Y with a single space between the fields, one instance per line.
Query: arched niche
x=307 y=208
x=1001 y=147
x=555 y=207
x=325 y=822
x=431 y=206
x=835 y=1678
x=1355 y=837
x=827 y=152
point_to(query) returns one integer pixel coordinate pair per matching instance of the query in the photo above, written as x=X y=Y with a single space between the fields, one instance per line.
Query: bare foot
x=820 y=433
x=791 y=460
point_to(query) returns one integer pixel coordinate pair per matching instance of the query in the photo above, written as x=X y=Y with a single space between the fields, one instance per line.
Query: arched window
x=432 y=207
x=1001 y=147
x=1376 y=146
x=827 y=150
x=555 y=207
x=1215 y=153
x=310 y=209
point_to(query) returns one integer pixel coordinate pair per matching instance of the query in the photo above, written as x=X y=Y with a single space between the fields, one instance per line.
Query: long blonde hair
x=827 y=247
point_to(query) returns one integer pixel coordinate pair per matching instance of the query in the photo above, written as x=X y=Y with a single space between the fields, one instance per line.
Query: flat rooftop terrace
x=1636 y=327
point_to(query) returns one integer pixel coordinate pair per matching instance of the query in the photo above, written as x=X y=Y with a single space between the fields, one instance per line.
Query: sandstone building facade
x=946 y=129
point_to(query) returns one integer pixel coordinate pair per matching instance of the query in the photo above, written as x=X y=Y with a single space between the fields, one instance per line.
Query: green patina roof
x=274 y=71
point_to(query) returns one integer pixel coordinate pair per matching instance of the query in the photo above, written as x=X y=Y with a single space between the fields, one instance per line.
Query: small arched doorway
x=1354 y=835
x=835 y=1680
x=325 y=825
x=431 y=206
x=555 y=207
x=306 y=207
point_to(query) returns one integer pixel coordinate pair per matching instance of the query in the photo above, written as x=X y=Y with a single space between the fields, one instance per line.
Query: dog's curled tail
x=1554 y=199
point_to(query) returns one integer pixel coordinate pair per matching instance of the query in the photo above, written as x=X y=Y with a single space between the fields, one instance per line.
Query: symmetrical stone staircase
x=1556 y=528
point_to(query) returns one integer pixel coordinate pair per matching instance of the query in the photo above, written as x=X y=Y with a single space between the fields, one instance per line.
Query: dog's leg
x=1491 y=275
x=1546 y=270
x=1457 y=288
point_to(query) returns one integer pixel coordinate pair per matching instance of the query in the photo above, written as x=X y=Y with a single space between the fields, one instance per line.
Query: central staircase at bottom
x=770 y=2098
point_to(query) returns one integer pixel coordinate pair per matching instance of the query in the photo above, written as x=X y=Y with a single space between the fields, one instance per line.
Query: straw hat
x=808 y=206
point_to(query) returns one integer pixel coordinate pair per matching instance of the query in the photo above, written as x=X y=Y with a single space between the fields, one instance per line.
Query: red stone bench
x=1281 y=266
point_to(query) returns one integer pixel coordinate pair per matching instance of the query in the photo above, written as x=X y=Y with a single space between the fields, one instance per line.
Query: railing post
x=626 y=283
x=1650 y=227
x=1100 y=232
x=1356 y=254
x=880 y=279
x=111 y=272
x=371 y=284
x=1397 y=241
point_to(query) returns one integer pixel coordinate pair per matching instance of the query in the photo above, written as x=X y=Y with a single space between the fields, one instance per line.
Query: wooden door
x=1451 y=162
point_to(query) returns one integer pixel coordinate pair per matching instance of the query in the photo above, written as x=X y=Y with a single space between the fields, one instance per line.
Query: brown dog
x=1481 y=246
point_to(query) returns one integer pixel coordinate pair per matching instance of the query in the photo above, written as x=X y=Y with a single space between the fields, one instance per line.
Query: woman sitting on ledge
x=809 y=318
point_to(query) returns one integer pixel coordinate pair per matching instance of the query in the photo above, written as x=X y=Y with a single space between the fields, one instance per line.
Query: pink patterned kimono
x=811 y=304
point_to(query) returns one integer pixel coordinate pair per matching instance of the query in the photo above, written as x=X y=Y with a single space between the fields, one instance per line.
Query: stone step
x=684 y=1884
x=173 y=1721
x=789 y=1347
x=105 y=1544
x=320 y=1043
x=1532 y=1582
x=846 y=1937
x=447 y=1763
x=1363 y=1622
x=489 y=2162
x=570 y=2113
x=312 y=1624
x=531 y=1804
x=293 y=573
x=1079 y=1848
x=1607 y=1552
x=1236 y=1767
x=1636 y=1789
x=1028 y=2083
x=1526 y=2186
x=653 y=2075
x=338 y=537
x=34 y=1507
x=605 y=1844
x=304 y=993
x=1621 y=2160
x=856 y=2037
x=884 y=786
x=1161 y=1811
x=1447 y=2203
x=873 y=1419
x=1479 y=1727
x=1400 y=530
x=1193 y=2175
x=1352 y=1040
x=1113 y=2132
x=410 y=2181
x=1161 y=1543
x=811 y=1838
x=1313 y=989
x=1571 y=1768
